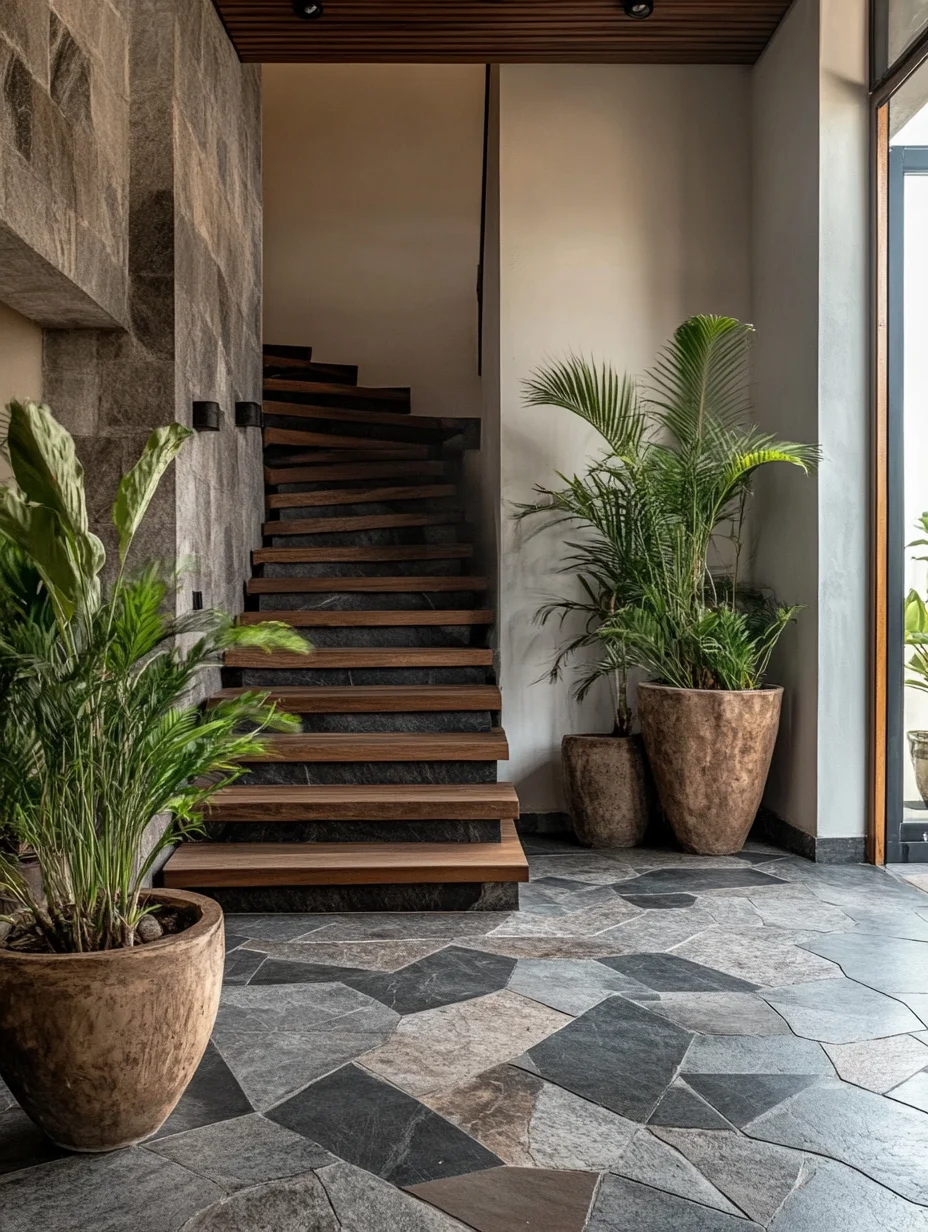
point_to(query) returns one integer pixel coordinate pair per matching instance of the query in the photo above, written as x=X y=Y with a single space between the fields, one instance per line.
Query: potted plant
x=680 y=472
x=916 y=635
x=108 y=990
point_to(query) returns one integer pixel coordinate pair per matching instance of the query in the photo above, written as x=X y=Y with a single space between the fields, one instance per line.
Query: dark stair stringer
x=388 y=798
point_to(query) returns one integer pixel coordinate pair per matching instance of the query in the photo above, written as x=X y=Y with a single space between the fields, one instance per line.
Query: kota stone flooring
x=653 y=1041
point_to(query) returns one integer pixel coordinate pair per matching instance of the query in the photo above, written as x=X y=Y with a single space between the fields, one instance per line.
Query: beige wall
x=624 y=208
x=20 y=365
x=372 y=177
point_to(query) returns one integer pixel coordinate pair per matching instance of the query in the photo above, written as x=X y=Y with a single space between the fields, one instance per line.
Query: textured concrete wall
x=64 y=160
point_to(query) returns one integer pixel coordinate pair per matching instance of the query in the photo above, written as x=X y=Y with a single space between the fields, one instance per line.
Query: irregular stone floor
x=654 y=1042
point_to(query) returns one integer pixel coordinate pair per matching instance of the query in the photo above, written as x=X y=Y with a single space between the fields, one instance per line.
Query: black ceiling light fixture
x=309 y=10
x=638 y=10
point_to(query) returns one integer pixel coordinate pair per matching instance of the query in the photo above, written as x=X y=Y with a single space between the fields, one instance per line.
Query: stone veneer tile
x=684 y=1109
x=914 y=1092
x=443 y=1047
x=742 y=1097
x=879 y=1064
x=213 y=1095
x=570 y=985
x=626 y=1206
x=292 y=1205
x=762 y=956
x=502 y=1199
x=670 y=973
x=365 y=955
x=660 y=930
x=364 y=1203
x=897 y=968
x=453 y=974
x=720 y=1013
x=22 y=1144
x=834 y=1196
x=841 y=1011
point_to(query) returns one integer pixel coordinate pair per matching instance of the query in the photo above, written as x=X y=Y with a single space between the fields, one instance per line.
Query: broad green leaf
x=38 y=532
x=45 y=464
x=138 y=486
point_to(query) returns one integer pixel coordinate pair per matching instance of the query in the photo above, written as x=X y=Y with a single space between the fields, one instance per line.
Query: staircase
x=387 y=800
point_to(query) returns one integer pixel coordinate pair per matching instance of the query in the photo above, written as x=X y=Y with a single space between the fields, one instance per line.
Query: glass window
x=897 y=24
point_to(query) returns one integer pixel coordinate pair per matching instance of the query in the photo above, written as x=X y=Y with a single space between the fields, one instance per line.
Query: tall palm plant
x=97 y=723
x=659 y=507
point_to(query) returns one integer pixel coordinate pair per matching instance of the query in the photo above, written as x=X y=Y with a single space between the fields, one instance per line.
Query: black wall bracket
x=248 y=415
x=207 y=416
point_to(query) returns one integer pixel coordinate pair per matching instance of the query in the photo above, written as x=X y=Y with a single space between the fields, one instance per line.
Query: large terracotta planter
x=918 y=748
x=608 y=789
x=98 y=1048
x=710 y=754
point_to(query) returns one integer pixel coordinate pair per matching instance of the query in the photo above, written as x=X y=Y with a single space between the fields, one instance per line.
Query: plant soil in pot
x=608 y=789
x=918 y=748
x=710 y=752
x=99 y=1047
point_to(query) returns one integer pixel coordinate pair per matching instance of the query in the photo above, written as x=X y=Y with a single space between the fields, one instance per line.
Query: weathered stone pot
x=98 y=1048
x=918 y=748
x=709 y=751
x=608 y=789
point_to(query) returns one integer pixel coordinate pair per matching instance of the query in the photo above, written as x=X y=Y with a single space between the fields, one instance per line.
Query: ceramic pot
x=709 y=751
x=918 y=748
x=98 y=1048
x=608 y=789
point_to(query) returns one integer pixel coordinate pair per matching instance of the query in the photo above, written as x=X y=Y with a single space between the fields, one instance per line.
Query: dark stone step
x=373 y=772
x=364 y=568
x=418 y=721
x=364 y=509
x=351 y=485
x=375 y=601
x=385 y=537
x=434 y=896
x=432 y=831
x=463 y=636
x=349 y=397
x=275 y=678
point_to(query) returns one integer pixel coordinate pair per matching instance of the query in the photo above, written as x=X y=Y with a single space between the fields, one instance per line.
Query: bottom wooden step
x=207 y=865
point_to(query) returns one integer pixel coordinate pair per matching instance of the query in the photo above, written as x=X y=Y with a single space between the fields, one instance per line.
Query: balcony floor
x=653 y=1041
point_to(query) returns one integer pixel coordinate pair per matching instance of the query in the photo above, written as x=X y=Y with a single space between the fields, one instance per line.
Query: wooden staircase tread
x=275 y=475
x=383 y=619
x=375 y=393
x=250 y=864
x=365 y=802
x=361 y=521
x=377 y=699
x=450 y=425
x=364 y=585
x=403 y=551
x=385 y=746
x=397 y=451
x=359 y=496
x=323 y=440
x=361 y=656
x=306 y=370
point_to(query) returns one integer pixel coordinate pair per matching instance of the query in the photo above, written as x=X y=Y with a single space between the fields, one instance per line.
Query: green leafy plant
x=661 y=515
x=99 y=731
x=916 y=622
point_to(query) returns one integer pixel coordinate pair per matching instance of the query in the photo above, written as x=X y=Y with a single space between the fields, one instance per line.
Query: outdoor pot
x=710 y=752
x=98 y=1048
x=608 y=789
x=918 y=747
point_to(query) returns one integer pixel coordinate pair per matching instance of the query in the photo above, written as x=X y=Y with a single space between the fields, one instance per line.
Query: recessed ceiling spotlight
x=638 y=10
x=309 y=10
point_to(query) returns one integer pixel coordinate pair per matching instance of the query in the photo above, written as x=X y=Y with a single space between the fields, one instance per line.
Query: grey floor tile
x=751 y=1054
x=293 y=971
x=276 y=927
x=364 y=1203
x=841 y=1011
x=766 y=957
x=626 y=1206
x=651 y=1161
x=244 y=1152
x=371 y=1124
x=834 y=1196
x=741 y=1098
x=214 y=1095
x=682 y=1108
x=689 y=880
x=570 y=985
x=293 y=1205
x=660 y=902
x=914 y=1092
x=22 y=1144
x=670 y=973
x=126 y=1191
x=453 y=974
x=879 y=1064
x=659 y=931
x=901 y=967
x=241 y=965
x=885 y=1140
x=720 y=1013
x=355 y=955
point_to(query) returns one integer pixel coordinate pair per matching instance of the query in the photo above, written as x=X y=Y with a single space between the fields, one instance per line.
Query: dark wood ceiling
x=508 y=31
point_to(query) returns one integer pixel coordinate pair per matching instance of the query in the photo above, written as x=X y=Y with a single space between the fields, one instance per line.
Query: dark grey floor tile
x=841 y=1011
x=246 y=1151
x=364 y=1203
x=668 y=973
x=127 y=1191
x=741 y=1098
x=22 y=1144
x=572 y=985
x=275 y=927
x=234 y=940
x=241 y=966
x=834 y=1196
x=684 y=1109
x=299 y=1204
x=900 y=967
x=627 y=1206
x=213 y=1095
x=286 y=971
x=660 y=902
x=371 y=1124
x=885 y=1140
x=696 y=880
x=650 y=1161
x=753 y=1054
x=453 y=974
x=618 y=1054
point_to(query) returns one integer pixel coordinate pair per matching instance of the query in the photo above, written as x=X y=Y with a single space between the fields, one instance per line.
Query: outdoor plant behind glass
x=659 y=593
x=96 y=724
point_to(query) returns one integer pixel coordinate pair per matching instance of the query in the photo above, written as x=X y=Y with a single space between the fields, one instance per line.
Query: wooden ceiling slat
x=508 y=31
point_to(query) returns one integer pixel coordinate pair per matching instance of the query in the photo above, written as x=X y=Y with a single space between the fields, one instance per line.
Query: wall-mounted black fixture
x=309 y=10
x=207 y=416
x=248 y=415
x=638 y=10
x=197 y=604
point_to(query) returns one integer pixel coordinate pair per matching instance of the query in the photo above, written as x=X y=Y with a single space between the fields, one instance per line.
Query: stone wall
x=184 y=231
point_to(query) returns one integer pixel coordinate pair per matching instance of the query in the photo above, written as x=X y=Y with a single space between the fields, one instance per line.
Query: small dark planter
x=608 y=789
x=710 y=754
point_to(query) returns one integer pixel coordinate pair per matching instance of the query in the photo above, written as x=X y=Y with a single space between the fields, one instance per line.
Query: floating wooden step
x=360 y=657
x=426 y=423
x=303 y=354
x=204 y=865
x=386 y=619
x=274 y=475
x=374 y=521
x=364 y=585
x=358 y=496
x=413 y=551
x=324 y=440
x=362 y=802
x=386 y=746
x=396 y=451
x=393 y=397
x=378 y=699
x=302 y=370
